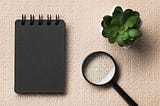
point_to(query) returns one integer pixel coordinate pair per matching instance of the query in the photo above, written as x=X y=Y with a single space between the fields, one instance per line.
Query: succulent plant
x=122 y=27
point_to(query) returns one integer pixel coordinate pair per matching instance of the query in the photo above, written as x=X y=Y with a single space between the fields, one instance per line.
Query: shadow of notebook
x=40 y=57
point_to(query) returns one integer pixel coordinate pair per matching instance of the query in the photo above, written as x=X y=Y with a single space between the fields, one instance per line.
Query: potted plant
x=122 y=27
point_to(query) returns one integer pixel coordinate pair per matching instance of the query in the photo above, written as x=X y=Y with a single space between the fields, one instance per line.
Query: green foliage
x=122 y=27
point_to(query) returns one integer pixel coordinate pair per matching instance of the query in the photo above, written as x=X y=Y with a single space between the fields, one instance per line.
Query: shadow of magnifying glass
x=99 y=68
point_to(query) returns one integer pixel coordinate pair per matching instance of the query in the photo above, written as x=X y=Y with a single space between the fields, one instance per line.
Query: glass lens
x=99 y=68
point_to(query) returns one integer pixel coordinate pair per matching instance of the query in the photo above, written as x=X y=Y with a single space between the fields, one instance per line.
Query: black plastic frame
x=94 y=54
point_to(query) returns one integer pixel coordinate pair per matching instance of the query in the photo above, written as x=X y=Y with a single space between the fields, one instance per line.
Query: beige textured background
x=139 y=65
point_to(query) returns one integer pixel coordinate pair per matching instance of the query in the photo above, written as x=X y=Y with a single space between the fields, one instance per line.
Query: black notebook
x=39 y=55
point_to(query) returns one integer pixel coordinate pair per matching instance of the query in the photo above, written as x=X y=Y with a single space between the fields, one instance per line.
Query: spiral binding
x=23 y=19
x=48 y=19
x=57 y=19
x=32 y=19
x=40 y=19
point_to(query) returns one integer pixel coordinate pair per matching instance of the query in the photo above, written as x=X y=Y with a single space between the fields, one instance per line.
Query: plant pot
x=126 y=46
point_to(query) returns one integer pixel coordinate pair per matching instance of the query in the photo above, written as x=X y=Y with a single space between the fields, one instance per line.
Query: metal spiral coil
x=57 y=19
x=23 y=19
x=40 y=20
x=49 y=19
x=31 y=19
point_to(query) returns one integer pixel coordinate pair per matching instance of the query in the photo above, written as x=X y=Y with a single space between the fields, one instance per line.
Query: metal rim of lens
x=94 y=54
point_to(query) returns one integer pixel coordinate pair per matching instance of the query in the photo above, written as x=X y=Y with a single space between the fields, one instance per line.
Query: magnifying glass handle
x=125 y=96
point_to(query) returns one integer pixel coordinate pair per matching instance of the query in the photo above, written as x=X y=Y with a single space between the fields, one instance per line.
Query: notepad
x=40 y=56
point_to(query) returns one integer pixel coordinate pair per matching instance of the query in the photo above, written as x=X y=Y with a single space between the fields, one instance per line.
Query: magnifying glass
x=99 y=68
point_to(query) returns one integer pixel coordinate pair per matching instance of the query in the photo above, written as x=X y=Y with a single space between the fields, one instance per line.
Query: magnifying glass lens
x=99 y=69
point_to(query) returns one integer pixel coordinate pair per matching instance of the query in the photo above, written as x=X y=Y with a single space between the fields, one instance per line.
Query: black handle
x=125 y=96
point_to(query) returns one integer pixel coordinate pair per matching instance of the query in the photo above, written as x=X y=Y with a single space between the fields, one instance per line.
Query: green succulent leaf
x=112 y=33
x=118 y=12
x=115 y=22
x=104 y=23
x=118 y=8
x=106 y=20
x=138 y=23
x=131 y=22
x=111 y=39
x=134 y=33
x=105 y=33
x=125 y=36
x=127 y=13
x=122 y=27
x=120 y=40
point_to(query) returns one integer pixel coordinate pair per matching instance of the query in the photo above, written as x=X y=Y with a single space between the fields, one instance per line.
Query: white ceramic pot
x=126 y=46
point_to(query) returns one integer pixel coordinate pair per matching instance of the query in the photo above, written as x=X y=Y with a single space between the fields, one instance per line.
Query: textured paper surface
x=139 y=65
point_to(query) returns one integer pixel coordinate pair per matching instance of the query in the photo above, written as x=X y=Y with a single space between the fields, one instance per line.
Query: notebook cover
x=40 y=57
